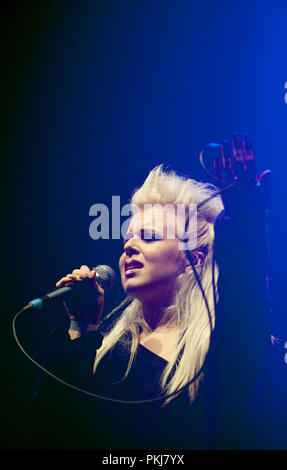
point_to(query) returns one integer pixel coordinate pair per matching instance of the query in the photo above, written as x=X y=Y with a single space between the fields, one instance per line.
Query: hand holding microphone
x=83 y=294
x=86 y=305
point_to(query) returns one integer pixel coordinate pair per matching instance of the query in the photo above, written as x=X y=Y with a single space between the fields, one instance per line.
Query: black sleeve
x=241 y=337
x=58 y=414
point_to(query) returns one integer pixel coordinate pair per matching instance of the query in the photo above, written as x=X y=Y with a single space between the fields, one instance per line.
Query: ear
x=198 y=261
x=200 y=258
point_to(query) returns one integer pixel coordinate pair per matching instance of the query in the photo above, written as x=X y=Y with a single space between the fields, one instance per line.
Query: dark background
x=94 y=95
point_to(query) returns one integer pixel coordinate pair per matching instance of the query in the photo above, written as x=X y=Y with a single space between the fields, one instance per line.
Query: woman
x=161 y=334
x=168 y=314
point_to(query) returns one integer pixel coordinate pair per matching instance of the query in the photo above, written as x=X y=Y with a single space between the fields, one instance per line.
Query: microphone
x=105 y=276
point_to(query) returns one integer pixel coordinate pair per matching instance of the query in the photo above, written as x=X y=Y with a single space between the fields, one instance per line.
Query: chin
x=137 y=291
x=132 y=290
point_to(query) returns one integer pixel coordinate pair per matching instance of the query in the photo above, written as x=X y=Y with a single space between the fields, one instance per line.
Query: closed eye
x=144 y=234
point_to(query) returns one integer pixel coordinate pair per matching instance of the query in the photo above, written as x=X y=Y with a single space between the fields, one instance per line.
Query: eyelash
x=153 y=237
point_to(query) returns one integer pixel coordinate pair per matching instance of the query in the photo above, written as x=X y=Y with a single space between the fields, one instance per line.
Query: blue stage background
x=95 y=94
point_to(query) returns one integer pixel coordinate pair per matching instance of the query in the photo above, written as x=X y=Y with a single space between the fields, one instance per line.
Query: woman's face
x=152 y=260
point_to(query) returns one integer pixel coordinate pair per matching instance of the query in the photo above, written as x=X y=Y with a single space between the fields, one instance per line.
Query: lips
x=132 y=265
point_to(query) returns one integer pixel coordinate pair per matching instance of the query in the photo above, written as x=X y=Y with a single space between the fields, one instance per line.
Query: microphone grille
x=106 y=276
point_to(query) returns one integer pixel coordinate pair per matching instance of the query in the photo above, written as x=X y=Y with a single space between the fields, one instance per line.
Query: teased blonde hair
x=188 y=312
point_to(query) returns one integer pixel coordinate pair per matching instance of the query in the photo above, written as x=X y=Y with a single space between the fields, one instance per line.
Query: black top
x=78 y=421
x=231 y=408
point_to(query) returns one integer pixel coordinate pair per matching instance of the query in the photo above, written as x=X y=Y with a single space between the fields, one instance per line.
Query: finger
x=227 y=162
x=237 y=148
x=65 y=280
x=238 y=154
x=77 y=275
x=249 y=158
x=86 y=272
x=217 y=168
x=84 y=269
x=78 y=272
x=92 y=273
x=97 y=287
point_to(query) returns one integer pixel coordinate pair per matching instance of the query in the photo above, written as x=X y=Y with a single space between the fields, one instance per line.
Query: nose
x=130 y=247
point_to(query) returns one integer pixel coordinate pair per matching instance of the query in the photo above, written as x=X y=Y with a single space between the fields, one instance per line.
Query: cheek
x=121 y=264
x=121 y=260
x=168 y=263
x=171 y=254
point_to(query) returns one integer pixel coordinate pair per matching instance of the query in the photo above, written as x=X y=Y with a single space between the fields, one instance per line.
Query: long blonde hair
x=188 y=312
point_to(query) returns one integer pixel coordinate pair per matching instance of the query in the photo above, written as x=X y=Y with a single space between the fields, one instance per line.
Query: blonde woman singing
x=175 y=376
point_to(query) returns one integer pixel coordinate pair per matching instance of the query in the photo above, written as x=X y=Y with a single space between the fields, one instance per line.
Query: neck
x=153 y=314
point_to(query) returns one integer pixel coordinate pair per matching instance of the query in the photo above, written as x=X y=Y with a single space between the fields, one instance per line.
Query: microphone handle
x=56 y=295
